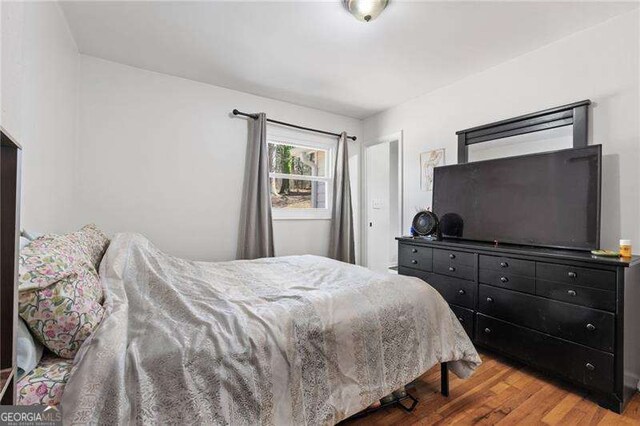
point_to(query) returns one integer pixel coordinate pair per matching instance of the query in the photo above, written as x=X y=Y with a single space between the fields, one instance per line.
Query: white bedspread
x=288 y=340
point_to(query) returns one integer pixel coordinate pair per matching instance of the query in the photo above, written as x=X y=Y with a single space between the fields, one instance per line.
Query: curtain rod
x=282 y=123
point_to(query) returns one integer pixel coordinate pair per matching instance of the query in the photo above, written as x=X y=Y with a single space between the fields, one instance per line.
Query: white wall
x=162 y=156
x=600 y=63
x=39 y=104
x=151 y=148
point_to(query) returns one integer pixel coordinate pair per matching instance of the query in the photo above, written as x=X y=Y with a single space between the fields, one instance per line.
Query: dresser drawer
x=413 y=256
x=506 y=280
x=458 y=292
x=454 y=257
x=590 y=327
x=589 y=367
x=466 y=317
x=508 y=265
x=585 y=296
x=457 y=271
x=596 y=278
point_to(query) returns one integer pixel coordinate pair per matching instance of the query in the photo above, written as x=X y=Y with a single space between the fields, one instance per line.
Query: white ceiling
x=315 y=53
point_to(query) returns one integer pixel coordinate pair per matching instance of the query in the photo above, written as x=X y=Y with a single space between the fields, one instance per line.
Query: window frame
x=303 y=140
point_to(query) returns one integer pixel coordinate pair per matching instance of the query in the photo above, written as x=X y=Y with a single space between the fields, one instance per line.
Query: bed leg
x=444 y=379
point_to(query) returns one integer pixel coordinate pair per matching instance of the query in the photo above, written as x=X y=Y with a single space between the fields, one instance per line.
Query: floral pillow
x=45 y=383
x=92 y=241
x=60 y=294
x=47 y=260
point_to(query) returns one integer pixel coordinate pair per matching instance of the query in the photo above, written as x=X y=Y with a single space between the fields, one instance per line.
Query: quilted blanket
x=286 y=340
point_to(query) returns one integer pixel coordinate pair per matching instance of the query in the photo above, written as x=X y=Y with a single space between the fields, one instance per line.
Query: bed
x=287 y=340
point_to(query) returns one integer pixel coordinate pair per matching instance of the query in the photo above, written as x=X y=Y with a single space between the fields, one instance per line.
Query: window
x=301 y=178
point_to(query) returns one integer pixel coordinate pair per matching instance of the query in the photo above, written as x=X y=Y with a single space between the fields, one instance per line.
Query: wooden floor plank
x=502 y=393
x=557 y=413
x=533 y=408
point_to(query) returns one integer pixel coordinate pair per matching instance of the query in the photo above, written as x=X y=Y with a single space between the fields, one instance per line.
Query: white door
x=381 y=169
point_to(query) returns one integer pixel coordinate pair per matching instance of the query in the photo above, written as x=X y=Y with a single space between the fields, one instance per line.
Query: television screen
x=550 y=199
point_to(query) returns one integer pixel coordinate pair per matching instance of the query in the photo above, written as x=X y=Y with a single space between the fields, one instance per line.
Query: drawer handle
x=414 y=250
x=487 y=330
x=489 y=299
x=590 y=366
x=504 y=264
x=415 y=262
x=461 y=292
x=572 y=293
x=451 y=269
x=504 y=279
x=572 y=274
x=460 y=319
x=591 y=327
x=452 y=256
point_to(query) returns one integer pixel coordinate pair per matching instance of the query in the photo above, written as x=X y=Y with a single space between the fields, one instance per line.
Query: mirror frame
x=575 y=114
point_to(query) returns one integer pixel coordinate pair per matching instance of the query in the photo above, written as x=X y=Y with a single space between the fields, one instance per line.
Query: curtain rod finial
x=235 y=112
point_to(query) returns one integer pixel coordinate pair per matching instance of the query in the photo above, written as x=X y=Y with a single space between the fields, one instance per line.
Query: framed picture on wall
x=429 y=160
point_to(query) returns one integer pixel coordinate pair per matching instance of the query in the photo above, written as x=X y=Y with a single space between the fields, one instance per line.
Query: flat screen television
x=550 y=199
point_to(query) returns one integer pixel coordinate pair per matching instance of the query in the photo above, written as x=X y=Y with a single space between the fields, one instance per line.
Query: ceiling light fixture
x=365 y=10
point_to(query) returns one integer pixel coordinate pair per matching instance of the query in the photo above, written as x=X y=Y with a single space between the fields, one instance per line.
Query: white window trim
x=280 y=137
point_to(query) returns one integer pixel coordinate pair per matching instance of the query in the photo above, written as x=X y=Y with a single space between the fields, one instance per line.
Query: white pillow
x=29 y=235
x=23 y=242
x=29 y=351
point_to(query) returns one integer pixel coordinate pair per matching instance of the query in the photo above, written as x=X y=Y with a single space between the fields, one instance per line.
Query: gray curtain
x=341 y=242
x=256 y=230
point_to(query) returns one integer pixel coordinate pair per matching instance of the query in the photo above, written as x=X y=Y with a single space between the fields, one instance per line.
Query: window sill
x=300 y=214
x=300 y=218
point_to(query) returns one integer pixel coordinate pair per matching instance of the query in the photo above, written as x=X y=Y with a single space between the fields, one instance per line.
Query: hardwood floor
x=501 y=393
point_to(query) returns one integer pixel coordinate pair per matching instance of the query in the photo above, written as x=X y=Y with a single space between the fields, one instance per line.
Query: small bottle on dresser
x=625 y=248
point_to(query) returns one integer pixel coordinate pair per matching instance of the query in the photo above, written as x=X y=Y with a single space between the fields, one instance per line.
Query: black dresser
x=567 y=313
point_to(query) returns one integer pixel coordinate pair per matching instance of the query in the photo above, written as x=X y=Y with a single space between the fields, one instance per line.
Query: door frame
x=364 y=195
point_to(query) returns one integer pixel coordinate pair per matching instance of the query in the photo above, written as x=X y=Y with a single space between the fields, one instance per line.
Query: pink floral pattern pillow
x=45 y=384
x=47 y=260
x=60 y=293
x=92 y=241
